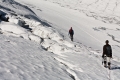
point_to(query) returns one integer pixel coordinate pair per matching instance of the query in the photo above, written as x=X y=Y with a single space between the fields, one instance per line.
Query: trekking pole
x=102 y=60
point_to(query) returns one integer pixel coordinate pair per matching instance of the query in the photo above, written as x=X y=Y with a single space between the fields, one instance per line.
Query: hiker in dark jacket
x=71 y=32
x=107 y=54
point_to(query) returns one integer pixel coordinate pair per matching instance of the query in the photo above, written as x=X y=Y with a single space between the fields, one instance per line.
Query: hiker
x=107 y=54
x=71 y=32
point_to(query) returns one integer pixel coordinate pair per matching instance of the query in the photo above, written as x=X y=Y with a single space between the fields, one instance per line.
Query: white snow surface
x=35 y=45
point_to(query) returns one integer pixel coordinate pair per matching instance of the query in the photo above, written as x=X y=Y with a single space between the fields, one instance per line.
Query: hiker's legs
x=71 y=37
x=108 y=62
x=105 y=61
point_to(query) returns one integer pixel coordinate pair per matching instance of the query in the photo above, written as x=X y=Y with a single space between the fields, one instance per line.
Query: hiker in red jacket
x=71 y=32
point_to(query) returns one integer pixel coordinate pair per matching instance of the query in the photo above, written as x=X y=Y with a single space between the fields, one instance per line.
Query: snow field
x=53 y=57
x=106 y=11
x=25 y=60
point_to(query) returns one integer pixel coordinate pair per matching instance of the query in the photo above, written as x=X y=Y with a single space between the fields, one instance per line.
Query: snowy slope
x=104 y=10
x=35 y=43
x=25 y=60
x=87 y=28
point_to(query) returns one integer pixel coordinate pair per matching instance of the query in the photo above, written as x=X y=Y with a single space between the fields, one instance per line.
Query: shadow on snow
x=114 y=68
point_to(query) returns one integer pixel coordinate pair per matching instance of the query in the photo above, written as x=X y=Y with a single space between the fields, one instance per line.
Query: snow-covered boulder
x=11 y=27
x=14 y=29
x=35 y=38
x=32 y=23
x=3 y=16
x=47 y=32
x=55 y=47
x=17 y=21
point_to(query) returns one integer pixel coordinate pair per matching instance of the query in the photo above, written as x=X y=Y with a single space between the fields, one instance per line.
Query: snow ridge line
x=11 y=5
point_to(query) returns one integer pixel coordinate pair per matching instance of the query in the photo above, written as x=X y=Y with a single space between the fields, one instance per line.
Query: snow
x=25 y=60
x=35 y=44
